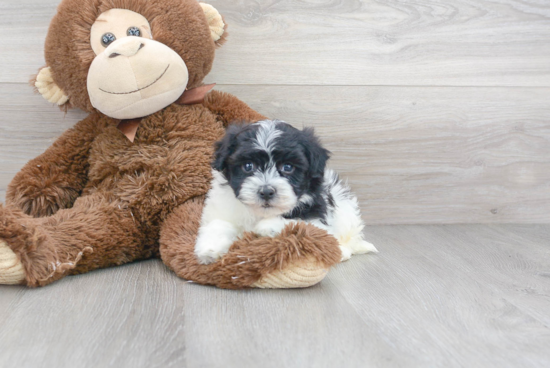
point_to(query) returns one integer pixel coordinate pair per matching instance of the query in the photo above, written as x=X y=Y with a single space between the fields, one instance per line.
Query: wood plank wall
x=438 y=111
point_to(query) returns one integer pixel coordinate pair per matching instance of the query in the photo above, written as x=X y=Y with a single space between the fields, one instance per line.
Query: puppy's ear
x=316 y=154
x=226 y=147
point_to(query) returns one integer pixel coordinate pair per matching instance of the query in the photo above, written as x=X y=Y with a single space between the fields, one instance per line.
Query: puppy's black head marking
x=317 y=155
x=226 y=147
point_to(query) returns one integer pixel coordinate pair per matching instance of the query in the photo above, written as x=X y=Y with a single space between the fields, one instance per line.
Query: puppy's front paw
x=209 y=250
x=270 y=227
x=214 y=241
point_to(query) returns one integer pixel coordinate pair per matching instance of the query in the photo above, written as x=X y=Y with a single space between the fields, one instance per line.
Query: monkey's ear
x=215 y=22
x=46 y=86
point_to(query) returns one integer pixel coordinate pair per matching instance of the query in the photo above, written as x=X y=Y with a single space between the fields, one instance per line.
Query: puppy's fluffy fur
x=267 y=175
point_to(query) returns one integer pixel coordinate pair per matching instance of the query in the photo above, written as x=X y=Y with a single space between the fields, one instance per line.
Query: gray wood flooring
x=435 y=296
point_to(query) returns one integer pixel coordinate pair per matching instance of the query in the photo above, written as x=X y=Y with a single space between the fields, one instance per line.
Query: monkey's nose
x=127 y=46
x=267 y=192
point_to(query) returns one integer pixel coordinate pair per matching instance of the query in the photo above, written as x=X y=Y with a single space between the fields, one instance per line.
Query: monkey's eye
x=249 y=167
x=134 y=31
x=287 y=168
x=107 y=39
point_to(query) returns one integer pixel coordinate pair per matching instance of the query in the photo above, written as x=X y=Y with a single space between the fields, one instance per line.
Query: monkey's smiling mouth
x=140 y=89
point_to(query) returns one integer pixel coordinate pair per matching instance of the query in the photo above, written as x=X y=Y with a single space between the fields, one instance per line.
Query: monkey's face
x=132 y=75
x=128 y=59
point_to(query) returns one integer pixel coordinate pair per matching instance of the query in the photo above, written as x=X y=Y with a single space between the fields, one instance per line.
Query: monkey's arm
x=55 y=179
x=229 y=108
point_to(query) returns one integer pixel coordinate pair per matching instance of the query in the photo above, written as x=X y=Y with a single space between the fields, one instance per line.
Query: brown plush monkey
x=128 y=182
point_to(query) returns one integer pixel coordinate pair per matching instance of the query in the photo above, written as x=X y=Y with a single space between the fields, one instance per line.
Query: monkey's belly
x=168 y=163
x=153 y=179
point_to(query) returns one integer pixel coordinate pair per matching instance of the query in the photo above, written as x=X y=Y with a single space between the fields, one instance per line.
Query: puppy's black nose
x=267 y=192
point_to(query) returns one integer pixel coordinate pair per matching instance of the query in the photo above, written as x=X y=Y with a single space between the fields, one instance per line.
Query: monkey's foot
x=301 y=274
x=11 y=268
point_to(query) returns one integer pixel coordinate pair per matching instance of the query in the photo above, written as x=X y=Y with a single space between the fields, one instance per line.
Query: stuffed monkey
x=128 y=181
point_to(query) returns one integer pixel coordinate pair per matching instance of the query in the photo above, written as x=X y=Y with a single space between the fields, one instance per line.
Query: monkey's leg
x=95 y=233
x=298 y=257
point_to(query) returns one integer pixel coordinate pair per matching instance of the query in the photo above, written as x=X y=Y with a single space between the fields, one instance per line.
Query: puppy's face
x=271 y=166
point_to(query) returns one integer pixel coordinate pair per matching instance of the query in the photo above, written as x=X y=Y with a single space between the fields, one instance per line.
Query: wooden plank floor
x=435 y=296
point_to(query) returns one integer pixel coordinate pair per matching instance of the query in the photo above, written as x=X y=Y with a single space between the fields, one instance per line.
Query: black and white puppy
x=267 y=175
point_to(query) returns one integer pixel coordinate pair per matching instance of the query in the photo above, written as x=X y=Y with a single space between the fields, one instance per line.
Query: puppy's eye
x=249 y=167
x=133 y=31
x=107 y=39
x=287 y=168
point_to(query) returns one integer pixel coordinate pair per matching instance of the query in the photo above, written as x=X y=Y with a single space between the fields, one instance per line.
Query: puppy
x=267 y=175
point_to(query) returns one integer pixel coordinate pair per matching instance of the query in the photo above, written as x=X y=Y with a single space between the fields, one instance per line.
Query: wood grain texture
x=412 y=154
x=24 y=25
x=429 y=155
x=130 y=316
x=449 y=295
x=373 y=42
x=435 y=296
x=344 y=42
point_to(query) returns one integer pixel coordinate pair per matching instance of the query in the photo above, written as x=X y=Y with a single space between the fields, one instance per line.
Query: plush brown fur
x=94 y=199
